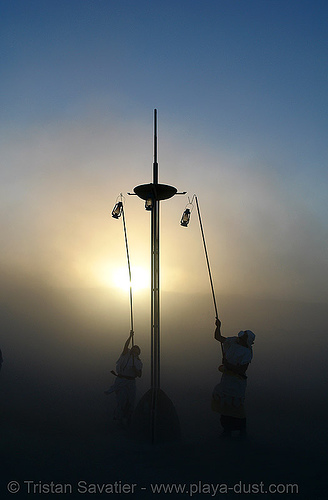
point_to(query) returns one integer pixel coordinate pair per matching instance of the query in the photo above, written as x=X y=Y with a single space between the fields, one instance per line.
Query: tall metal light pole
x=155 y=412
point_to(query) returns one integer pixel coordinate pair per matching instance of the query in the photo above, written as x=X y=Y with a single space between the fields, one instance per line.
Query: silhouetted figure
x=229 y=395
x=128 y=368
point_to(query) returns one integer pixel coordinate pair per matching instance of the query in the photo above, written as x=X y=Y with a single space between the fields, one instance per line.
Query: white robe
x=126 y=363
x=125 y=389
x=229 y=394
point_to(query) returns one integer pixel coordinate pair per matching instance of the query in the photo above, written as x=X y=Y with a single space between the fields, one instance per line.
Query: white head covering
x=250 y=336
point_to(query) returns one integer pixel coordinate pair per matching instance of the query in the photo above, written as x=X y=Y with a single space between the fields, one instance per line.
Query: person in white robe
x=128 y=368
x=228 y=397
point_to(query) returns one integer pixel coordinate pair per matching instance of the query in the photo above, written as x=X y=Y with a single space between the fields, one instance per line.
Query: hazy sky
x=240 y=89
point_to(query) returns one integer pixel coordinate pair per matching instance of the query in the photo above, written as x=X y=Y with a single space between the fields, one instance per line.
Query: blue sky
x=241 y=93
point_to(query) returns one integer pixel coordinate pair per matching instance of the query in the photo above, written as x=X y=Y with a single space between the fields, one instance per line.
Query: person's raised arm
x=217 y=333
x=126 y=345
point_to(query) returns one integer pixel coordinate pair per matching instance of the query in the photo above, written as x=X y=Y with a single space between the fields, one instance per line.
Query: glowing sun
x=140 y=278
